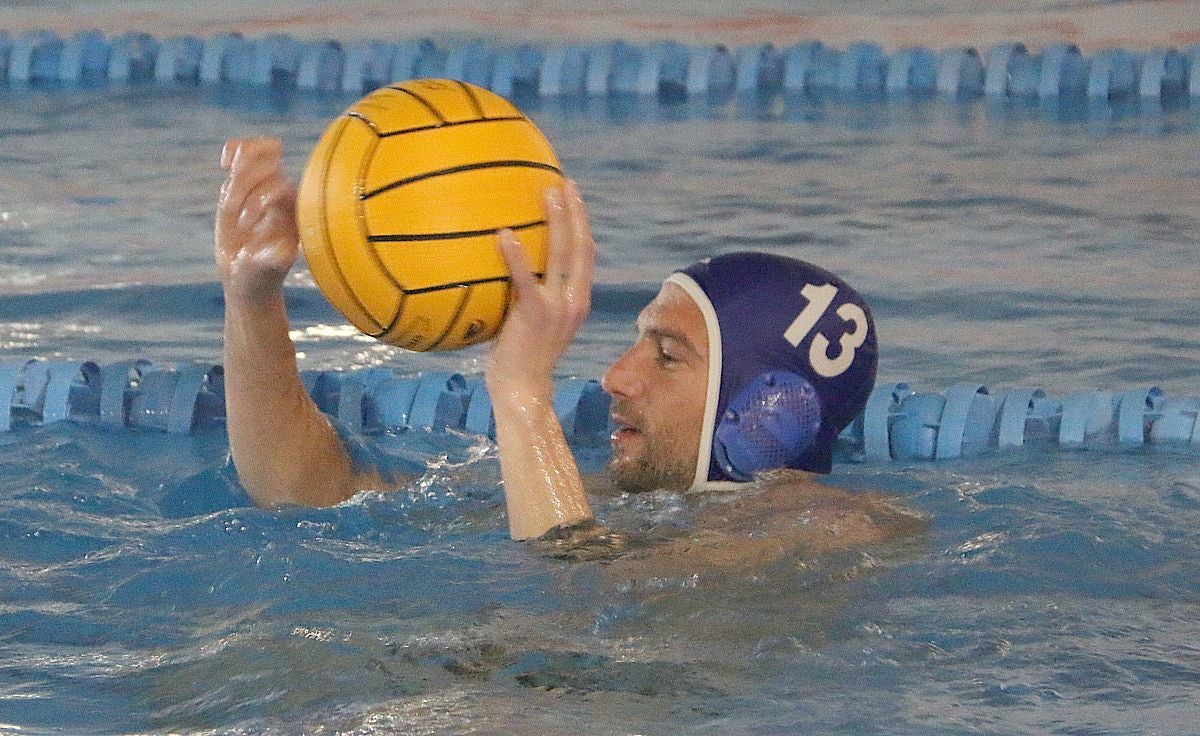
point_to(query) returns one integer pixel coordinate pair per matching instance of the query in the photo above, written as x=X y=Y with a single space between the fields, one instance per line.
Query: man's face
x=658 y=388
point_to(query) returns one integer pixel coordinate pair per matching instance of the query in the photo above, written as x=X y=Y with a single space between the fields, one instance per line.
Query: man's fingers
x=247 y=150
x=241 y=182
x=518 y=265
x=583 y=246
x=558 y=236
x=273 y=192
x=234 y=147
x=250 y=162
x=227 y=152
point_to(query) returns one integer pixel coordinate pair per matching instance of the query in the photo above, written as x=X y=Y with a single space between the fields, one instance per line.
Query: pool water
x=1054 y=591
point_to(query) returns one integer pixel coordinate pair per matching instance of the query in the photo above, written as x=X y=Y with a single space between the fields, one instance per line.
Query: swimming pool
x=1054 y=592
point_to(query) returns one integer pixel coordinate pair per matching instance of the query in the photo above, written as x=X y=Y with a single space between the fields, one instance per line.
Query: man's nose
x=622 y=377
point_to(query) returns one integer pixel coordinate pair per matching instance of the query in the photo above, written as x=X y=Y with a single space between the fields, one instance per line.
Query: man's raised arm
x=542 y=487
x=284 y=448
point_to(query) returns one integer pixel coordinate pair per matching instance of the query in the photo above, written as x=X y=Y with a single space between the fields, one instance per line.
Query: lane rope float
x=898 y=423
x=665 y=70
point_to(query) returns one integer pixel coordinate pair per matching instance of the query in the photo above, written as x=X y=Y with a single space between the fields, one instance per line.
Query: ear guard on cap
x=770 y=424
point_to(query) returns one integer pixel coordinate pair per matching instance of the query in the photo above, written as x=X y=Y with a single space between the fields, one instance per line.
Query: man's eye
x=665 y=358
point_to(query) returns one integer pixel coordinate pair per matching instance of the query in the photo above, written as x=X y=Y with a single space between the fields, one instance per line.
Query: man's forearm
x=542 y=487
x=285 y=449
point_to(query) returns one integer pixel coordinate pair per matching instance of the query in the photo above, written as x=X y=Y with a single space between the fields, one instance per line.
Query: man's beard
x=650 y=472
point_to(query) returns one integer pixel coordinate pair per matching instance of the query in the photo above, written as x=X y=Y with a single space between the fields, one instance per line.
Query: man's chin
x=629 y=476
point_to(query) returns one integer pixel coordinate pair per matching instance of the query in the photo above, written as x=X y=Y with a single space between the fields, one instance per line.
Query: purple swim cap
x=792 y=357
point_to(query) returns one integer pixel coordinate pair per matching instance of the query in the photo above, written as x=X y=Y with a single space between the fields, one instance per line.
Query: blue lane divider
x=35 y=57
x=898 y=423
x=388 y=401
x=516 y=71
x=5 y=54
x=85 y=57
x=179 y=60
x=273 y=58
x=471 y=62
x=663 y=72
x=70 y=385
x=320 y=66
x=667 y=70
x=219 y=54
x=1018 y=407
x=479 y=419
x=117 y=383
x=198 y=395
x=1192 y=57
x=1084 y=415
x=1135 y=410
x=914 y=431
x=133 y=57
x=1178 y=421
x=864 y=69
x=826 y=63
x=350 y=401
x=1002 y=58
x=911 y=70
x=799 y=65
x=367 y=65
x=966 y=421
x=148 y=399
x=1063 y=72
x=960 y=73
x=12 y=388
x=414 y=59
x=1114 y=73
x=711 y=73
x=439 y=401
x=758 y=69
x=613 y=67
x=884 y=406
x=564 y=70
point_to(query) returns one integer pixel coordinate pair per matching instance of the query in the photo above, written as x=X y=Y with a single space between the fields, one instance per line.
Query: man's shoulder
x=798 y=506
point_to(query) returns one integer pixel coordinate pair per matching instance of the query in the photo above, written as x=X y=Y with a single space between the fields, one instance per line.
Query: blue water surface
x=1054 y=591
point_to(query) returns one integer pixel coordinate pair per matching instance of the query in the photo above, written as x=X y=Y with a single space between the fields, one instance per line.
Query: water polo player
x=742 y=364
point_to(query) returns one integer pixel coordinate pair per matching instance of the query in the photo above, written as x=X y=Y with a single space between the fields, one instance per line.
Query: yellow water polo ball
x=400 y=203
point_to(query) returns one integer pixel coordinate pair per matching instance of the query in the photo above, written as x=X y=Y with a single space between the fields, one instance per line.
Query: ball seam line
x=447 y=124
x=391 y=325
x=428 y=106
x=332 y=252
x=458 y=312
x=453 y=235
x=474 y=100
x=361 y=216
x=456 y=284
x=458 y=170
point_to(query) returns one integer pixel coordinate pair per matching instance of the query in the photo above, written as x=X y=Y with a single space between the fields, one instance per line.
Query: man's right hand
x=545 y=315
x=256 y=233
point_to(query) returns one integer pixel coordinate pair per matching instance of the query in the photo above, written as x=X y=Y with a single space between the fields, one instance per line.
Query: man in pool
x=744 y=368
